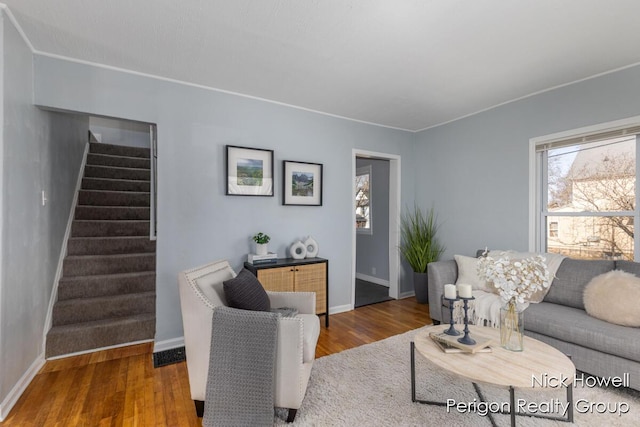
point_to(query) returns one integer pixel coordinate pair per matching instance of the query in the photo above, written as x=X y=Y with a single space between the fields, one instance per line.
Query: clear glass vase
x=512 y=326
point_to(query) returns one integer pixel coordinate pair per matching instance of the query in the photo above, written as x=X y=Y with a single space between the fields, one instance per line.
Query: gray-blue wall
x=120 y=132
x=476 y=170
x=372 y=250
x=197 y=223
x=40 y=151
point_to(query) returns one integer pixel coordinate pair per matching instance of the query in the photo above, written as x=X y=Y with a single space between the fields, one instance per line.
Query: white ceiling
x=409 y=64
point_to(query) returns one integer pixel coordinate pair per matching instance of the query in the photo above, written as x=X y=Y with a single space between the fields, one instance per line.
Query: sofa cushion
x=575 y=326
x=571 y=278
x=614 y=297
x=245 y=292
x=629 y=267
x=468 y=273
x=209 y=278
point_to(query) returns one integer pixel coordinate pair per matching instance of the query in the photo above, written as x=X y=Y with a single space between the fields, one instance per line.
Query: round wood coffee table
x=539 y=366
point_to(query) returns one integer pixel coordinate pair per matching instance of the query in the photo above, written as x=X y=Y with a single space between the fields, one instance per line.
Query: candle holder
x=451 y=330
x=466 y=339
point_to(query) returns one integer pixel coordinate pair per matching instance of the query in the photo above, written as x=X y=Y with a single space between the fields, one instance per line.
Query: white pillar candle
x=450 y=291
x=464 y=290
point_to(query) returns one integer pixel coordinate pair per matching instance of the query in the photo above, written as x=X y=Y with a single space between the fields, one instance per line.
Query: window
x=363 y=200
x=586 y=195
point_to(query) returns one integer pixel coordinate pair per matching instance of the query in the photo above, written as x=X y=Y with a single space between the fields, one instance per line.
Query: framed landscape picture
x=302 y=183
x=249 y=171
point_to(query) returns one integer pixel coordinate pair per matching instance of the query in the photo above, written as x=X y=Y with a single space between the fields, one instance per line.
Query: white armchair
x=201 y=290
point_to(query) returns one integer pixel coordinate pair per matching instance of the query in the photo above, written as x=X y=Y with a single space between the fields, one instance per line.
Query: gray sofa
x=596 y=347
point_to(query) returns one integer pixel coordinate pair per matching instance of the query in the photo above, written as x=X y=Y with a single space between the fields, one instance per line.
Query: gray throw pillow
x=246 y=293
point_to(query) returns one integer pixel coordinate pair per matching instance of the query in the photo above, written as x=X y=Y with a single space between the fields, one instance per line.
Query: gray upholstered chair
x=201 y=291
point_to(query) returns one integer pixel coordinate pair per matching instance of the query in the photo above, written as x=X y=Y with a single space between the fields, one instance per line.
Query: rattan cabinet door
x=313 y=278
x=277 y=279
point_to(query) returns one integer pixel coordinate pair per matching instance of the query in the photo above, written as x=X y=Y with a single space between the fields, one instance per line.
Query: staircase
x=106 y=295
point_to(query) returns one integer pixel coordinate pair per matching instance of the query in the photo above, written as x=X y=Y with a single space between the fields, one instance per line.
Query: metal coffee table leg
x=512 y=398
x=412 y=348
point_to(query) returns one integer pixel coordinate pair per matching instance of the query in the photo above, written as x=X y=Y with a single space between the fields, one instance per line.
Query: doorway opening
x=375 y=213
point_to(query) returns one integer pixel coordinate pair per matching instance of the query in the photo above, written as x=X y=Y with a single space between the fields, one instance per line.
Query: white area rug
x=371 y=386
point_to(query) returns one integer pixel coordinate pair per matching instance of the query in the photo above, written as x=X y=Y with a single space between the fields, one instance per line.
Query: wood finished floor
x=121 y=387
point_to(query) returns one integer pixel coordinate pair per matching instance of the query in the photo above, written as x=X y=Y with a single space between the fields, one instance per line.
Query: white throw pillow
x=613 y=297
x=468 y=273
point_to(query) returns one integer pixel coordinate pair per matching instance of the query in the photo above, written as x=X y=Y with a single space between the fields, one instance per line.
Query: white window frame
x=538 y=176
x=367 y=170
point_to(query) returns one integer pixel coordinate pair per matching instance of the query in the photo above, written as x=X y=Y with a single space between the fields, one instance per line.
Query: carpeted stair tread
x=79 y=310
x=106 y=284
x=118 y=161
x=86 y=265
x=112 y=212
x=113 y=198
x=119 y=150
x=97 y=228
x=77 y=337
x=110 y=245
x=116 y=184
x=92 y=171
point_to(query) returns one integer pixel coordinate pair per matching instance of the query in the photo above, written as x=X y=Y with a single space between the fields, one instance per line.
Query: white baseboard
x=22 y=384
x=168 y=344
x=94 y=350
x=407 y=294
x=376 y=280
x=340 y=309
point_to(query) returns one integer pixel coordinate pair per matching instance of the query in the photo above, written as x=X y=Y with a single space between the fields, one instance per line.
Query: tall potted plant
x=420 y=246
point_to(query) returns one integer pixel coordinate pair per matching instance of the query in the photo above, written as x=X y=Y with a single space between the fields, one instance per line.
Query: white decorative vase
x=298 y=250
x=262 y=248
x=312 y=247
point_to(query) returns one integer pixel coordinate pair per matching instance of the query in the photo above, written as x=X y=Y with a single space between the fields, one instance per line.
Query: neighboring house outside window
x=363 y=200
x=587 y=198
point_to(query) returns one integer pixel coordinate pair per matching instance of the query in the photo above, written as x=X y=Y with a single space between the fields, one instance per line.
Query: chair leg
x=292 y=415
x=199 y=408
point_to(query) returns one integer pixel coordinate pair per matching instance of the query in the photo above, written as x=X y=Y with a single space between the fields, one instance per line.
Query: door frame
x=394 y=220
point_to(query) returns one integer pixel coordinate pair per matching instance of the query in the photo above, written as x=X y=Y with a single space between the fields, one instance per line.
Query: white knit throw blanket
x=485 y=308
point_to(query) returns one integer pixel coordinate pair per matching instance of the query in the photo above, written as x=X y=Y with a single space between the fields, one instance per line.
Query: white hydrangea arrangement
x=516 y=279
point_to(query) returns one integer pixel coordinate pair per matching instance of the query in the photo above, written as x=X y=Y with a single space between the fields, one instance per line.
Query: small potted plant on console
x=262 y=240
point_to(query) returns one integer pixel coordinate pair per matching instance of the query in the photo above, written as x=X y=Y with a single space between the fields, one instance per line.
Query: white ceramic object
x=298 y=250
x=262 y=248
x=312 y=247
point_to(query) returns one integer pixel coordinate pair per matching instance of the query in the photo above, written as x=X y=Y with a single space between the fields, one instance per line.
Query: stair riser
x=108 y=265
x=87 y=310
x=108 y=198
x=60 y=342
x=116 y=173
x=114 y=229
x=119 y=150
x=112 y=213
x=100 y=286
x=115 y=185
x=121 y=162
x=110 y=246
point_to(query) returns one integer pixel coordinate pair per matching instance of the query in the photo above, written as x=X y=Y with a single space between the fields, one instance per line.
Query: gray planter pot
x=420 y=287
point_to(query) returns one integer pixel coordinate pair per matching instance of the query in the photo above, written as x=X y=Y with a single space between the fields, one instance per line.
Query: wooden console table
x=297 y=275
